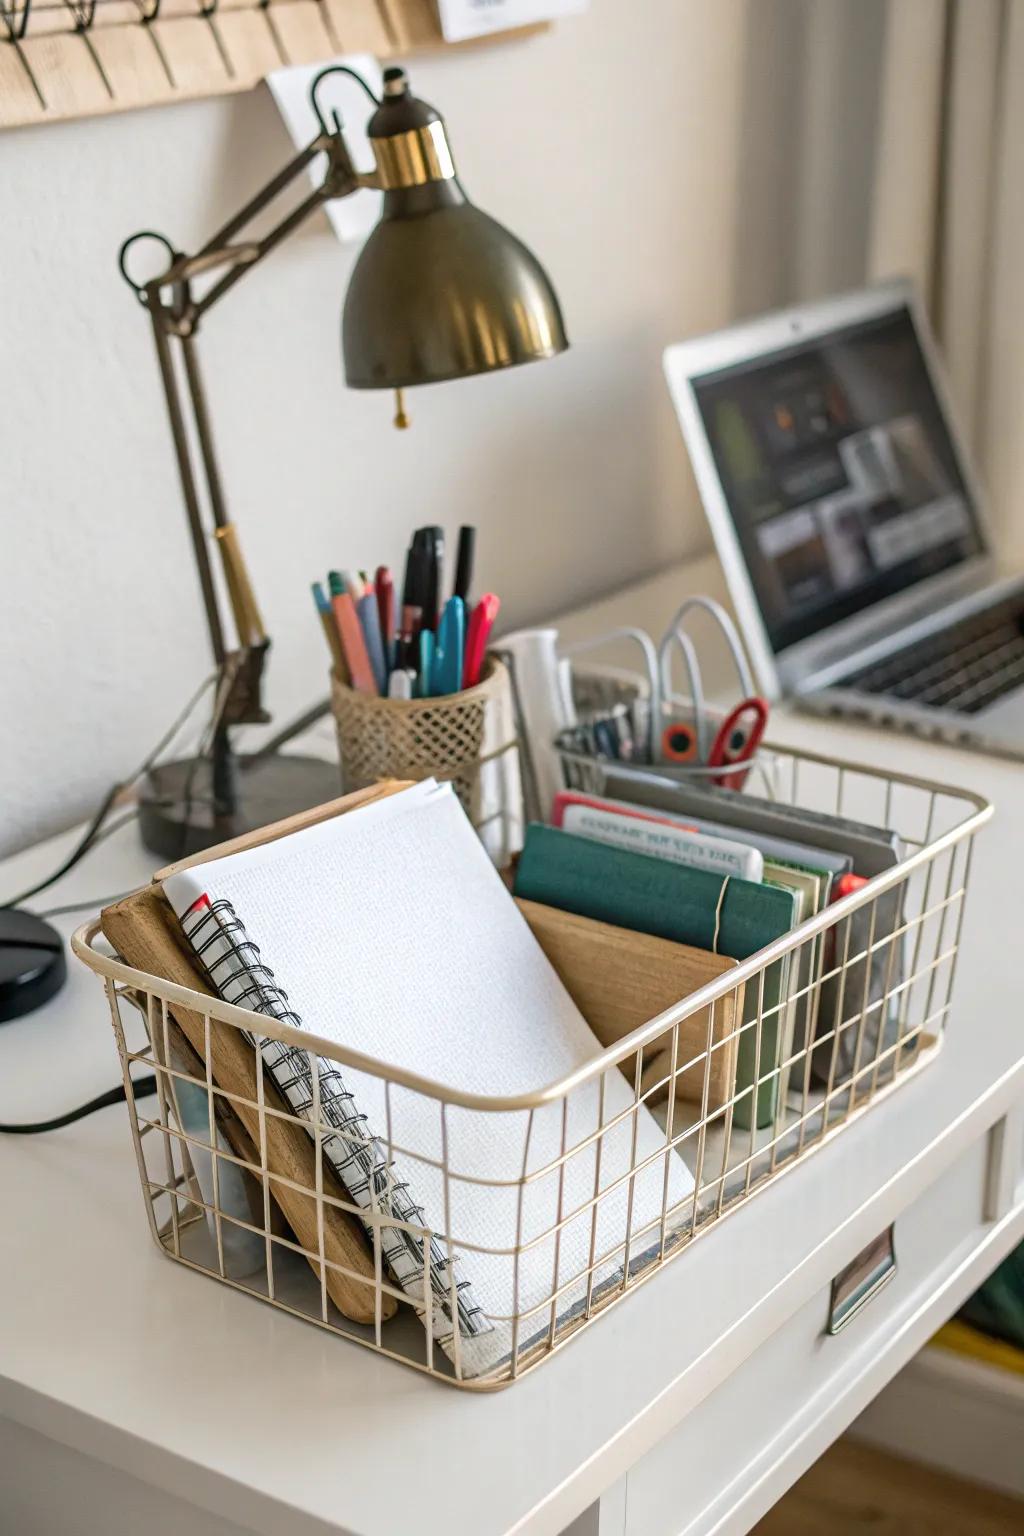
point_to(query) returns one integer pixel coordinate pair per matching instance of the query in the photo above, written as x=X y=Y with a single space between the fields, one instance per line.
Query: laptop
x=849 y=521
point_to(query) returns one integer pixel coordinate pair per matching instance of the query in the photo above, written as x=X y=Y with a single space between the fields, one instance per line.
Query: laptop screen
x=839 y=472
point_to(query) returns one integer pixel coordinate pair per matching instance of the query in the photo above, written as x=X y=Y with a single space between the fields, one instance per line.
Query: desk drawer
x=802 y=1382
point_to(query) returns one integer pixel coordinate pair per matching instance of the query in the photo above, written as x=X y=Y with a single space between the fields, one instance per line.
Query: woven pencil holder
x=467 y=738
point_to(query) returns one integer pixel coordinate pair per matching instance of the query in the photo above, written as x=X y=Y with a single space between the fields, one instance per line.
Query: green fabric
x=997 y=1307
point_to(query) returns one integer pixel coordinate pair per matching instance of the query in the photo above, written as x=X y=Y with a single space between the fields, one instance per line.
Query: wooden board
x=275 y=829
x=145 y=932
x=56 y=72
x=620 y=979
x=857 y=1491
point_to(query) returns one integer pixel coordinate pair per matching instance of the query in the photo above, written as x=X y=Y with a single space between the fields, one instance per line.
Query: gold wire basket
x=868 y=1000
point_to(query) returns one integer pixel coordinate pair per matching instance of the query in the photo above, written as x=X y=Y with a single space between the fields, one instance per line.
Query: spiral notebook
x=389 y=931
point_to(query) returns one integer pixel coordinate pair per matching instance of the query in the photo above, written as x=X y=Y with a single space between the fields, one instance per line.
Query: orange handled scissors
x=738 y=738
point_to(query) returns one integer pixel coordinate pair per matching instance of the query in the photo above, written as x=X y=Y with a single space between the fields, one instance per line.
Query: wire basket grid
x=477 y=1270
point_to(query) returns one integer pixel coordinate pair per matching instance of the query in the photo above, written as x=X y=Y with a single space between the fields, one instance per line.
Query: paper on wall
x=353 y=217
x=463 y=19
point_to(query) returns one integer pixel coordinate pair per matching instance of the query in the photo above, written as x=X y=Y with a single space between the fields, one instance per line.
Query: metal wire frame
x=823 y=1070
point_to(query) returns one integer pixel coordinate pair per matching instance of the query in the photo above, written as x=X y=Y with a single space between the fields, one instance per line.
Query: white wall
x=609 y=144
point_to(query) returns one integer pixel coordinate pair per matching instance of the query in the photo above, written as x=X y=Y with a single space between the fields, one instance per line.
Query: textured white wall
x=609 y=144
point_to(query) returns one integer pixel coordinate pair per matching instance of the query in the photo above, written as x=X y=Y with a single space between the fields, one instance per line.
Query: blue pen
x=424 y=687
x=451 y=646
x=369 y=618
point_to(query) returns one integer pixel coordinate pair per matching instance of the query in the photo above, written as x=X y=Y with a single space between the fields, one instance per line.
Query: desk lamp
x=439 y=291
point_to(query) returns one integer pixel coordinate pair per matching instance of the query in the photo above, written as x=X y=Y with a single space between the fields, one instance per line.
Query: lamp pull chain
x=401 y=419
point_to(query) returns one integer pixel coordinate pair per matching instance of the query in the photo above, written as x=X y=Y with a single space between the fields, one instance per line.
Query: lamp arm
x=257 y=250
x=341 y=180
x=175 y=314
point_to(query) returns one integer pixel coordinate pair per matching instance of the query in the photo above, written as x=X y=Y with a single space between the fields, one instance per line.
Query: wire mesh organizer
x=660 y=1131
x=468 y=738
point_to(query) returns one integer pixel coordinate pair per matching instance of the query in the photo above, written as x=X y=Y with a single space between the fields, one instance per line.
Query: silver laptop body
x=849 y=521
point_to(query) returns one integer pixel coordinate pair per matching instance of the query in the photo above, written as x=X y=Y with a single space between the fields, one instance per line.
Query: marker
x=385 y=588
x=464 y=562
x=366 y=608
x=352 y=638
x=400 y=683
x=353 y=586
x=323 y=608
x=451 y=644
x=412 y=607
x=480 y=625
x=431 y=541
x=425 y=689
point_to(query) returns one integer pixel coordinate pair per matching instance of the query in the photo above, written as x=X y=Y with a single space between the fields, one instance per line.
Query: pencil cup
x=468 y=738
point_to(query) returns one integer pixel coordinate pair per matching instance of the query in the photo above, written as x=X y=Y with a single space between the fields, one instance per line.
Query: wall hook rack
x=62 y=59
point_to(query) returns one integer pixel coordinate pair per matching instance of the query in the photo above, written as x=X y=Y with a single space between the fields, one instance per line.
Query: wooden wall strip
x=118 y=63
x=134 y=66
x=360 y=27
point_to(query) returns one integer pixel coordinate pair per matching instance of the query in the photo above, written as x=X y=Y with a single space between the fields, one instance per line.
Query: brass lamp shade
x=440 y=290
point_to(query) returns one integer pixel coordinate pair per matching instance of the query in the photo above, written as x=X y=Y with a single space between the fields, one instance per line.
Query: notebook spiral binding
x=239 y=975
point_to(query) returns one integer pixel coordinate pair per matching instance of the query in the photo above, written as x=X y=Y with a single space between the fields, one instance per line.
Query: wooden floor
x=855 y=1489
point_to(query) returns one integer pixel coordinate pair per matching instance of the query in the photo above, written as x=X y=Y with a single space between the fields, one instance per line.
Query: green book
x=673 y=901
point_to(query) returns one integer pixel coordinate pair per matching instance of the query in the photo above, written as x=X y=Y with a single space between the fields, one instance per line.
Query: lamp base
x=176 y=800
x=32 y=964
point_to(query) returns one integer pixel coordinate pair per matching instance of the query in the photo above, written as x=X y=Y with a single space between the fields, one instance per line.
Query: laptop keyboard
x=963 y=668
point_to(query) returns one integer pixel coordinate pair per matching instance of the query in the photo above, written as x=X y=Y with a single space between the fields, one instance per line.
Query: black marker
x=464 y=562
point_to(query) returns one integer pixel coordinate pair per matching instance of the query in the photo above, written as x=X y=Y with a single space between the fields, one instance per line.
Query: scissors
x=681 y=741
x=689 y=741
x=738 y=738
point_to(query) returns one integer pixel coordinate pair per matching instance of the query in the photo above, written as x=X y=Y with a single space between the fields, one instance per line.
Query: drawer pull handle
x=862 y=1278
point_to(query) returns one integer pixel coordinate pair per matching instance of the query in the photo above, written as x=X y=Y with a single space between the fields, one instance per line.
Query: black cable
x=142 y=1087
x=91 y=835
x=81 y=847
x=92 y=904
x=311 y=716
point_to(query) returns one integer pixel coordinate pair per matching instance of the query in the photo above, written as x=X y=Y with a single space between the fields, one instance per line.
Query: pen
x=426 y=644
x=323 y=608
x=448 y=653
x=369 y=618
x=385 y=588
x=480 y=625
x=464 y=562
x=412 y=608
x=352 y=639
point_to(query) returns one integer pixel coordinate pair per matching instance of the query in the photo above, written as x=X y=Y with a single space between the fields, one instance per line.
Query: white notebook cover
x=390 y=931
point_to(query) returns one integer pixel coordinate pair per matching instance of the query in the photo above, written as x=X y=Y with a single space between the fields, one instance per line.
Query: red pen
x=480 y=625
x=385 y=588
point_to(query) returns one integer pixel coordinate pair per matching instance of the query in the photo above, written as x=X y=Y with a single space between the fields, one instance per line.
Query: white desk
x=139 y=1397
